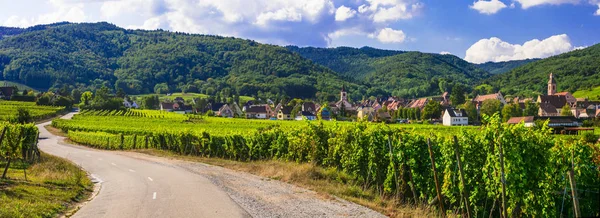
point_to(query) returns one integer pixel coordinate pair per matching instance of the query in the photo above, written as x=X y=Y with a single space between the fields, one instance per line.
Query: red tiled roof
x=481 y=98
x=517 y=120
x=419 y=103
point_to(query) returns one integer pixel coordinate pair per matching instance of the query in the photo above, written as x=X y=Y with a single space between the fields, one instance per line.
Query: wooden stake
x=437 y=186
x=503 y=180
x=571 y=175
x=464 y=192
x=134 y=141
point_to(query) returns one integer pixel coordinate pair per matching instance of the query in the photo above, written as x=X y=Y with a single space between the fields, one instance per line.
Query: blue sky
x=476 y=30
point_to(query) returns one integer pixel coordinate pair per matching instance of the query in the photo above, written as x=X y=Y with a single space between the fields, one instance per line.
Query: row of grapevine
x=397 y=163
x=8 y=109
x=18 y=142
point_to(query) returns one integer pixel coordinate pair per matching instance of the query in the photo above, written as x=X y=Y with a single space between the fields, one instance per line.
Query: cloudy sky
x=476 y=30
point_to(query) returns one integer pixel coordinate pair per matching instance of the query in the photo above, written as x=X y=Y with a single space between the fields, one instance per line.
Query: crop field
x=189 y=96
x=152 y=121
x=391 y=159
x=8 y=109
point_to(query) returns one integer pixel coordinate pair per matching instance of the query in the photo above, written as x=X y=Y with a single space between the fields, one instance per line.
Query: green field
x=591 y=94
x=189 y=96
x=153 y=121
x=8 y=109
x=19 y=86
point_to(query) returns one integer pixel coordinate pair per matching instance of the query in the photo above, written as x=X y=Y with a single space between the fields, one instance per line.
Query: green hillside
x=90 y=55
x=505 y=66
x=409 y=74
x=19 y=86
x=589 y=93
x=575 y=70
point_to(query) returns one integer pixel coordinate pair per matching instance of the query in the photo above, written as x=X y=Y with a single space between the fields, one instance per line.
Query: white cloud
x=150 y=24
x=445 y=53
x=530 y=3
x=494 y=49
x=389 y=35
x=344 y=13
x=61 y=10
x=598 y=11
x=400 y=11
x=488 y=7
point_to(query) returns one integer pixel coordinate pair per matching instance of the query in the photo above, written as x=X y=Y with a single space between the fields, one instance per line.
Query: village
x=560 y=109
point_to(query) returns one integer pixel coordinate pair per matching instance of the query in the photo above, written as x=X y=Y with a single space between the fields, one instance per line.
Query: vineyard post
x=412 y=184
x=573 y=187
x=503 y=180
x=146 y=142
x=437 y=186
x=464 y=192
x=122 y=140
x=393 y=165
x=134 y=141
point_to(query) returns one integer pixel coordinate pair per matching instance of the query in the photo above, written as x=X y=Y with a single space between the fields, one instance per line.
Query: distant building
x=478 y=101
x=552 y=103
x=527 y=121
x=258 y=112
x=305 y=115
x=7 y=92
x=285 y=113
x=166 y=106
x=343 y=103
x=225 y=111
x=455 y=117
x=418 y=103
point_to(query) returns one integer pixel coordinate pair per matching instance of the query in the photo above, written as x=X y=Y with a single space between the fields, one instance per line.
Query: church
x=551 y=104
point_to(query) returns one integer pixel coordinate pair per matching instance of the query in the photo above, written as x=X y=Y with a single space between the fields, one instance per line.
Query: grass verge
x=325 y=181
x=52 y=186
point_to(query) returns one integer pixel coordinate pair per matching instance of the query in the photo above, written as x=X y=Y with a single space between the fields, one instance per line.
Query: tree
x=457 y=97
x=161 y=88
x=120 y=93
x=566 y=111
x=531 y=108
x=86 y=98
x=76 y=94
x=150 y=102
x=471 y=110
x=443 y=86
x=490 y=106
x=511 y=110
x=432 y=110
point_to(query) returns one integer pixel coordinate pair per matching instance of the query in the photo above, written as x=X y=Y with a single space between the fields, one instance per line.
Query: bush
x=590 y=137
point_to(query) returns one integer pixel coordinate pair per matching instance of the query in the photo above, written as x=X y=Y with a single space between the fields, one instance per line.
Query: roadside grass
x=53 y=186
x=328 y=182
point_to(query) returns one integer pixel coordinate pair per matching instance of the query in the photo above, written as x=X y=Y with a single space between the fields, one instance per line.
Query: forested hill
x=505 y=66
x=90 y=55
x=400 y=73
x=575 y=70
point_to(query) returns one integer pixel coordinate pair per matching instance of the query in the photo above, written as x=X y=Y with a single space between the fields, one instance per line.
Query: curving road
x=132 y=187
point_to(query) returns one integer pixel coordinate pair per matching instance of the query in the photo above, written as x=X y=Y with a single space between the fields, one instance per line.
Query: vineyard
x=8 y=109
x=18 y=142
x=478 y=172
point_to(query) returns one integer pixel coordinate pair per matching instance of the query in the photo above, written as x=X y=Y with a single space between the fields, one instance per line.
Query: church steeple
x=343 y=94
x=551 y=85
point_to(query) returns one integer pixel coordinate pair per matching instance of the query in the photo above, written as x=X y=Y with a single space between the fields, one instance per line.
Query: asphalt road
x=132 y=187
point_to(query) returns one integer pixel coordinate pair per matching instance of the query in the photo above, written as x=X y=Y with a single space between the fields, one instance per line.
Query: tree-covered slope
x=409 y=74
x=505 y=66
x=93 y=54
x=575 y=70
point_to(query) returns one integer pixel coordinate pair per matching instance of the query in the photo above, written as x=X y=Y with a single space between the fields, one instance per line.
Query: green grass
x=190 y=96
x=20 y=86
x=53 y=185
x=592 y=94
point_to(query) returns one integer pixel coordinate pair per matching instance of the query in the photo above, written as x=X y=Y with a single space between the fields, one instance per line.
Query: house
x=384 y=116
x=7 y=92
x=325 y=113
x=527 y=121
x=365 y=113
x=129 y=104
x=419 y=103
x=225 y=111
x=285 y=113
x=455 y=117
x=258 y=112
x=481 y=98
x=572 y=101
x=551 y=105
x=310 y=107
x=166 y=106
x=305 y=115
x=215 y=107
